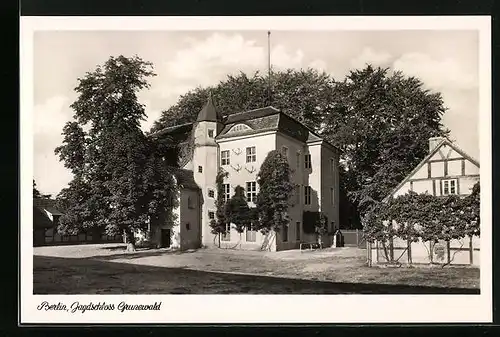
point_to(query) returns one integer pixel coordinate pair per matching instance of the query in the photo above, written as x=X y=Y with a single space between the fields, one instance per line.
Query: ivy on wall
x=413 y=217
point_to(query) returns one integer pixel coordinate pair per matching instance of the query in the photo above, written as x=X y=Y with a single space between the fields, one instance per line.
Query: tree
x=275 y=189
x=218 y=224
x=120 y=180
x=237 y=211
x=382 y=122
x=321 y=226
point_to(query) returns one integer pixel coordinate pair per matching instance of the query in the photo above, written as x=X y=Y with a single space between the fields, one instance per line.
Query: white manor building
x=239 y=143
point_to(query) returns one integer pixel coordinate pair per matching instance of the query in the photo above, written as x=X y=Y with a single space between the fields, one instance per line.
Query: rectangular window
x=297 y=194
x=297 y=230
x=227 y=192
x=332 y=166
x=224 y=155
x=251 y=233
x=251 y=191
x=210 y=133
x=449 y=186
x=251 y=154
x=332 y=226
x=285 y=233
x=211 y=215
x=200 y=169
x=211 y=193
x=298 y=159
x=284 y=151
x=307 y=161
x=226 y=236
x=332 y=195
x=307 y=195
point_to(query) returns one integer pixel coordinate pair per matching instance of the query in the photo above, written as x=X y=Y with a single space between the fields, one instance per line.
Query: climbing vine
x=413 y=217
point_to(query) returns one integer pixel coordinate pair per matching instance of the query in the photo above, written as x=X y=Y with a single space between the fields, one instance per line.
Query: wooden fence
x=50 y=237
x=464 y=251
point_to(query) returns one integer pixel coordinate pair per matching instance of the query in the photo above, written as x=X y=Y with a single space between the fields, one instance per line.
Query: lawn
x=101 y=269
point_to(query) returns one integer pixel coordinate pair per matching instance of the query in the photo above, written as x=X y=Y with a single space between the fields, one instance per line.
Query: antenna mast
x=269 y=66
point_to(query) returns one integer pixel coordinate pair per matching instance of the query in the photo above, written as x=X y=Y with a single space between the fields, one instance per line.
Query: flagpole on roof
x=269 y=66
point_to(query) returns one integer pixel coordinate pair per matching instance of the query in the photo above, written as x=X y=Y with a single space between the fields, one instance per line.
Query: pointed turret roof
x=209 y=113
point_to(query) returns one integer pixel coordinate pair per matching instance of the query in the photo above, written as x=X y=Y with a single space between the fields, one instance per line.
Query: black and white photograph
x=173 y=158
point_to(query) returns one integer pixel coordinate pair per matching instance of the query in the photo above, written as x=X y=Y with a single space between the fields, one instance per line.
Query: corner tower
x=206 y=163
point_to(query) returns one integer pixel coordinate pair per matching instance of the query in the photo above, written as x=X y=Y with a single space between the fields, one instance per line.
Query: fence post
x=408 y=242
x=448 y=249
x=357 y=238
x=369 y=253
x=471 y=251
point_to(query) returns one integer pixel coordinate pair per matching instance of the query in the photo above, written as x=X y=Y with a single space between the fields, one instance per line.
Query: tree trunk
x=129 y=240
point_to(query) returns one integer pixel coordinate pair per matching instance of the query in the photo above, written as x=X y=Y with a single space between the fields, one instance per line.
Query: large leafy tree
x=381 y=120
x=275 y=189
x=120 y=178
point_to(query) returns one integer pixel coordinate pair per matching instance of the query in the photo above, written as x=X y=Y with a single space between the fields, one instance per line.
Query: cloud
x=318 y=65
x=202 y=58
x=281 y=58
x=437 y=73
x=371 y=56
x=49 y=120
x=206 y=62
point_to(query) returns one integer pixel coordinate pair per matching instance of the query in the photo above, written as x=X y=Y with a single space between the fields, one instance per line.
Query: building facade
x=446 y=170
x=239 y=144
x=46 y=219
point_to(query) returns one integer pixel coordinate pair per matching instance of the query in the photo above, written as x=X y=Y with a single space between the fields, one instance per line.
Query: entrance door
x=165 y=238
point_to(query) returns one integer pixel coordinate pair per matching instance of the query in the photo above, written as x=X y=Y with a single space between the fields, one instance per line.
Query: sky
x=446 y=62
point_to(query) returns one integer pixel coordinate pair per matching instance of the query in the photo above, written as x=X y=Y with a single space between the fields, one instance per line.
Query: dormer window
x=239 y=127
x=210 y=133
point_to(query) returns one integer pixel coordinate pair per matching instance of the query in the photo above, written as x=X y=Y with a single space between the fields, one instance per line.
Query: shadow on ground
x=139 y=253
x=55 y=275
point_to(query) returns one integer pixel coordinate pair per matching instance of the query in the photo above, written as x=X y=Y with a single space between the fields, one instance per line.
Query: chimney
x=433 y=142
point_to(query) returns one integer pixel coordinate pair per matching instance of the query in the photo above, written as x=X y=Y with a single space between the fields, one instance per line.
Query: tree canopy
x=382 y=122
x=120 y=180
x=302 y=94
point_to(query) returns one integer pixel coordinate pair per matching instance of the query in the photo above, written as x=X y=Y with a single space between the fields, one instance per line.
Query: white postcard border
x=259 y=308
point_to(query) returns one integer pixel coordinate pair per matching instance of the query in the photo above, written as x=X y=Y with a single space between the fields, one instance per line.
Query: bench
x=311 y=245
